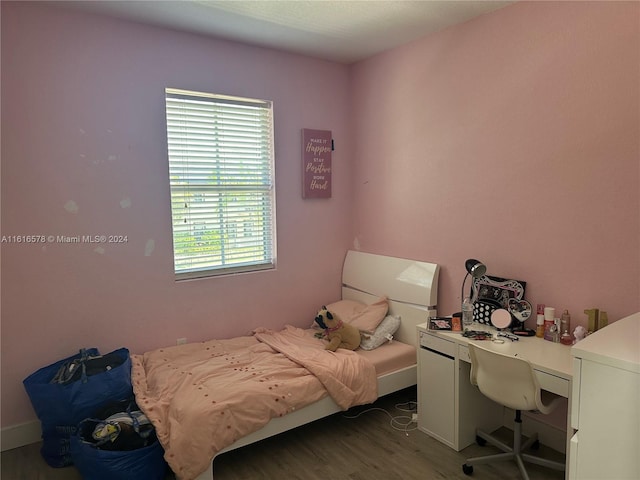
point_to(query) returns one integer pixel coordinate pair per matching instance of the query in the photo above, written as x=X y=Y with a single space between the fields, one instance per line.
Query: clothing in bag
x=118 y=446
x=70 y=390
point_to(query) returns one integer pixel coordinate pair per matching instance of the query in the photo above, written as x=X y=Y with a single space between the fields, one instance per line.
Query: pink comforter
x=202 y=397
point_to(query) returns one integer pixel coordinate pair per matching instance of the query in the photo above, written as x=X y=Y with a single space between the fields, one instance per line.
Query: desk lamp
x=476 y=269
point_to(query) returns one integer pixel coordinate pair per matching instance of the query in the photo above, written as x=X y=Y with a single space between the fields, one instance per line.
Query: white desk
x=450 y=408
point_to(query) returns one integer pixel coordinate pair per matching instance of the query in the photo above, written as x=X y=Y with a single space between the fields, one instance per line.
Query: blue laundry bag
x=61 y=402
x=96 y=463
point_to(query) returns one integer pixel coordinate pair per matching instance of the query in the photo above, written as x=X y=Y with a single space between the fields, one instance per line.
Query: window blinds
x=221 y=172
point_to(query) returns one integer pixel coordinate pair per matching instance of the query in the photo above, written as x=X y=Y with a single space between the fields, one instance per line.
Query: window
x=221 y=171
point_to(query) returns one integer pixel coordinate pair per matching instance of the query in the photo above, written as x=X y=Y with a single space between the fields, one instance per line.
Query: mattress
x=390 y=357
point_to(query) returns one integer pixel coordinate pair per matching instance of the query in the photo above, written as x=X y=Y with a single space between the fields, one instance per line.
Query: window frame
x=231 y=198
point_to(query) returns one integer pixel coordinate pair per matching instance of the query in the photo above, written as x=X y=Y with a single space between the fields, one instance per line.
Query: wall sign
x=316 y=163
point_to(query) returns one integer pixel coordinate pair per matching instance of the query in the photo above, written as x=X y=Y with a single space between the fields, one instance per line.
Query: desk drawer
x=437 y=344
x=551 y=383
x=463 y=353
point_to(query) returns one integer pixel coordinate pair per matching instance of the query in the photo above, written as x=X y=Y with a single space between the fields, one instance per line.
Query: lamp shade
x=475 y=267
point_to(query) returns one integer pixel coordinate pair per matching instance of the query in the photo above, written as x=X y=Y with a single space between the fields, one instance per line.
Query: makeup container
x=540 y=326
x=549 y=315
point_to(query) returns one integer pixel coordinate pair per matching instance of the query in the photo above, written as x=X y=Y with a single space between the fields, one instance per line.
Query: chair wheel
x=480 y=441
x=467 y=469
x=535 y=445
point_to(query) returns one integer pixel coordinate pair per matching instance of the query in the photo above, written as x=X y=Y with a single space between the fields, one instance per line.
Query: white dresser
x=605 y=410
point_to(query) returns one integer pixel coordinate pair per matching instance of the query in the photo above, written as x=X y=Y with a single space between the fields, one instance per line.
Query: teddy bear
x=339 y=333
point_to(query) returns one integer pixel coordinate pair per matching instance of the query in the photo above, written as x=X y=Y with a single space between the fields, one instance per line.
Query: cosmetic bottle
x=555 y=331
x=549 y=315
x=540 y=326
x=565 y=328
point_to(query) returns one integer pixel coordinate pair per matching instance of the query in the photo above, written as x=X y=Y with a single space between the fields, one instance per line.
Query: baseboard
x=548 y=435
x=20 y=435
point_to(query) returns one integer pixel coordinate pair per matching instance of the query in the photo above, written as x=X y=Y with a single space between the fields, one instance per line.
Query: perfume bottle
x=540 y=326
x=565 y=327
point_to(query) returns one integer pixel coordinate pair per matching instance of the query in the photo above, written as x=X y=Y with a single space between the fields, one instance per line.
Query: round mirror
x=500 y=318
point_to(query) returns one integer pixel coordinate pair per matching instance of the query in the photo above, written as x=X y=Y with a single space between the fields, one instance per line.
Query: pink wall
x=514 y=139
x=83 y=120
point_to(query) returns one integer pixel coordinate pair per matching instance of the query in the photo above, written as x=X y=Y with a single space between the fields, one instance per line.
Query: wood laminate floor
x=339 y=448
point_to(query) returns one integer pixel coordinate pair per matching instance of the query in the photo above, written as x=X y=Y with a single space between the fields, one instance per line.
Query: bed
x=411 y=289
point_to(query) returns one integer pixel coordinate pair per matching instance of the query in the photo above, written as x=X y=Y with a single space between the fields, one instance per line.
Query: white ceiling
x=339 y=30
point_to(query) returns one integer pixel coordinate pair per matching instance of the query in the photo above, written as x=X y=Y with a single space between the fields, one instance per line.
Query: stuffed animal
x=579 y=333
x=339 y=333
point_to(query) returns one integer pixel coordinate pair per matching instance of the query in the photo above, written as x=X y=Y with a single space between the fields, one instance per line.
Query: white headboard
x=410 y=285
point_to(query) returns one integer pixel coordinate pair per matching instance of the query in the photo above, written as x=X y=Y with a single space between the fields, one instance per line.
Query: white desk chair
x=509 y=381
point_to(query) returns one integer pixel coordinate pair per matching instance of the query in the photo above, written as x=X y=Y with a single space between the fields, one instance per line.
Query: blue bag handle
x=84 y=356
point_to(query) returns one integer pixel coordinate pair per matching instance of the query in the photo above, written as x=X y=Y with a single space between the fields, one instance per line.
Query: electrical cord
x=399 y=422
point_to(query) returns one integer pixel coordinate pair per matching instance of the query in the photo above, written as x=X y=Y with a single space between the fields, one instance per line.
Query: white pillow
x=382 y=334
